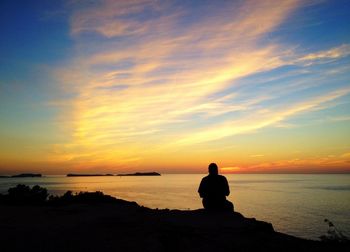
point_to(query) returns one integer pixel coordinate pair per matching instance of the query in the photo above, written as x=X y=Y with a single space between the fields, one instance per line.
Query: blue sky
x=114 y=85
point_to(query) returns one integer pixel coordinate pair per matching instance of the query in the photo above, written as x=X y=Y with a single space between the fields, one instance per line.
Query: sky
x=170 y=86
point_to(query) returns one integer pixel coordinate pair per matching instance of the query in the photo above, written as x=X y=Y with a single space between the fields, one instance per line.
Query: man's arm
x=201 y=189
x=226 y=187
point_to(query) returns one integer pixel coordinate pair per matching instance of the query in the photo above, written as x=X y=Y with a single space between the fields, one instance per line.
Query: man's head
x=213 y=169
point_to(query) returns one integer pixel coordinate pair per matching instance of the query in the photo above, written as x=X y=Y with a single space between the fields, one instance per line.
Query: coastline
x=256 y=196
x=98 y=222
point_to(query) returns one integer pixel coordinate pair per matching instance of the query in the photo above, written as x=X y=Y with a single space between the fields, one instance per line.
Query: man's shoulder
x=214 y=177
x=222 y=177
x=205 y=178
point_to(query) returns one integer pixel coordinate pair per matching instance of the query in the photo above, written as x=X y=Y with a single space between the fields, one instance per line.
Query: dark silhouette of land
x=213 y=189
x=87 y=175
x=92 y=221
x=141 y=174
x=26 y=175
x=31 y=175
x=127 y=174
x=23 y=175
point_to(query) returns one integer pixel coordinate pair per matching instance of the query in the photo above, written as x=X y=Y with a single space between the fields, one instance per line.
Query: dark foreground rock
x=124 y=226
x=93 y=221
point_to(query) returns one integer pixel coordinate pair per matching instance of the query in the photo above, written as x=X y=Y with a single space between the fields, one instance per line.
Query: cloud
x=230 y=169
x=258 y=120
x=325 y=56
x=346 y=155
x=159 y=76
x=257 y=155
x=329 y=163
x=112 y=18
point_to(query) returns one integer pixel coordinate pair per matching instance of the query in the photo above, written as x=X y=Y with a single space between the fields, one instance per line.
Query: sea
x=295 y=204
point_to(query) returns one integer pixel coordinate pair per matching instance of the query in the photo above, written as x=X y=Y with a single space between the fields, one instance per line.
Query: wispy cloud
x=257 y=155
x=333 y=53
x=330 y=163
x=230 y=169
x=346 y=155
x=339 y=118
x=154 y=78
x=112 y=18
x=260 y=119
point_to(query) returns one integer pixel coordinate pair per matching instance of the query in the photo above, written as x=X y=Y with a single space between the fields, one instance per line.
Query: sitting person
x=214 y=189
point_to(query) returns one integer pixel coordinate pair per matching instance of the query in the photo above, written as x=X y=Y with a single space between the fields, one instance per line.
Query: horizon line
x=190 y=173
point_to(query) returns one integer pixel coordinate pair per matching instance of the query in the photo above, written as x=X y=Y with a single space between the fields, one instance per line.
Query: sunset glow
x=171 y=86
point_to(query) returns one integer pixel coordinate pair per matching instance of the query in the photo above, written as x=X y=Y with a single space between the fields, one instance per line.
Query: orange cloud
x=157 y=87
x=230 y=169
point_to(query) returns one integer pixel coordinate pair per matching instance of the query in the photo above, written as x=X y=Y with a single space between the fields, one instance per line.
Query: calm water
x=294 y=204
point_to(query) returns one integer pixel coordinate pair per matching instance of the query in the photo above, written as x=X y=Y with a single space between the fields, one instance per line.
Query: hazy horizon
x=170 y=86
x=180 y=173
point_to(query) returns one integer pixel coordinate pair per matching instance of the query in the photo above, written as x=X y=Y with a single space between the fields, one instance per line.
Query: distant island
x=87 y=175
x=26 y=175
x=23 y=175
x=141 y=174
x=126 y=174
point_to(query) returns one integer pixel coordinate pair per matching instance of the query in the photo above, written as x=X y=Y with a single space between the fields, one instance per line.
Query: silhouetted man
x=214 y=189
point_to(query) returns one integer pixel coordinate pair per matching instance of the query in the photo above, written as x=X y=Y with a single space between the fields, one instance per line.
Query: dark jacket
x=214 y=187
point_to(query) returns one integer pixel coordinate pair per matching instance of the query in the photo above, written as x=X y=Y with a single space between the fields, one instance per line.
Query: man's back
x=214 y=189
x=214 y=186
